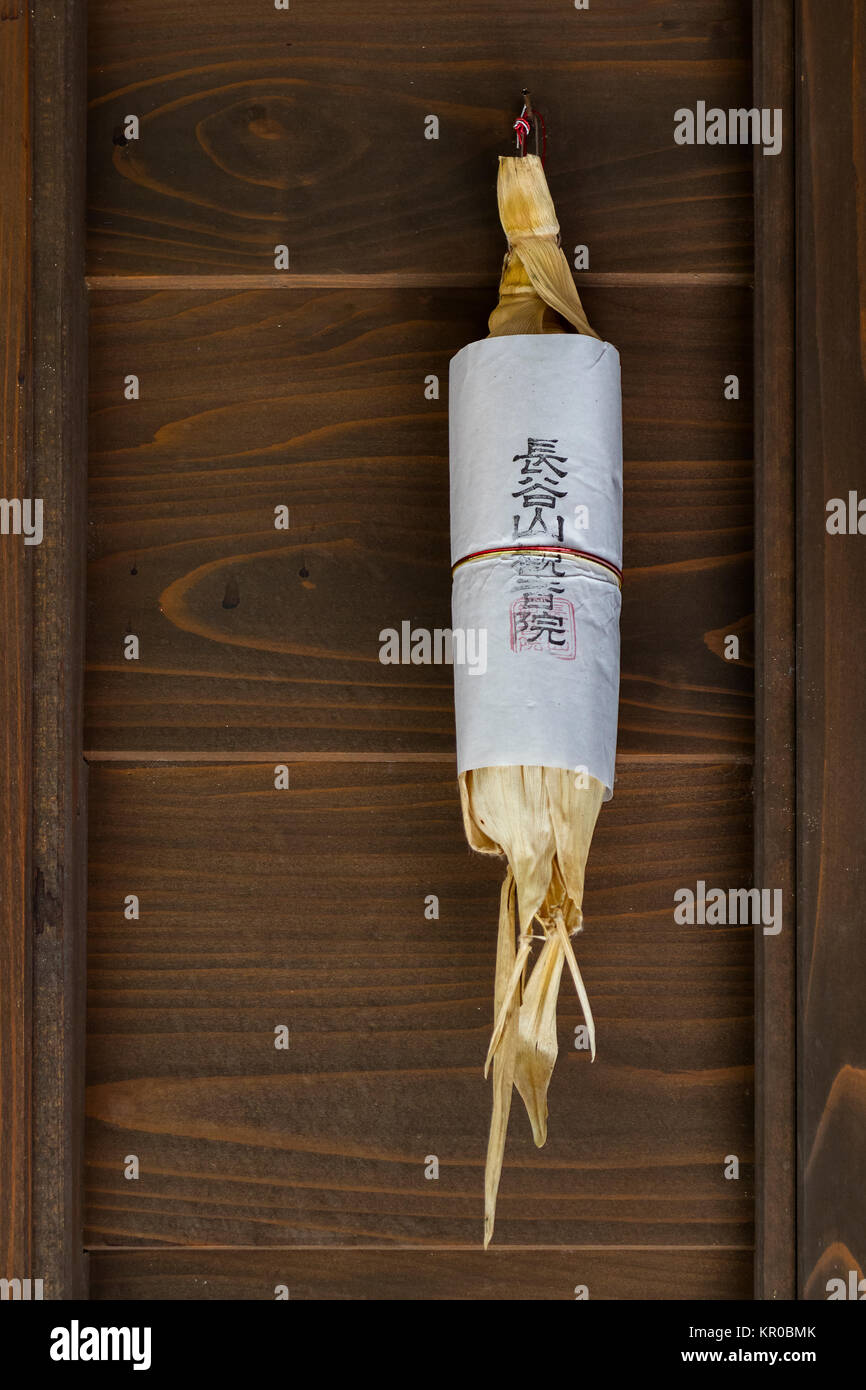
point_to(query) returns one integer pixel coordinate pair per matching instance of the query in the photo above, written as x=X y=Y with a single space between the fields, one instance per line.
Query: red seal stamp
x=542 y=623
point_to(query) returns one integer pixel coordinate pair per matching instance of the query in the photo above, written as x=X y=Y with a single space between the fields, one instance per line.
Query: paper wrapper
x=536 y=461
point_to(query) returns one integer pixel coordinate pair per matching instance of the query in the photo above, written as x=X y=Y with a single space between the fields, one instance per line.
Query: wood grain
x=775 y=657
x=42 y=595
x=408 y=279
x=255 y=639
x=430 y=1275
x=16 y=653
x=58 y=474
x=306 y=908
x=832 y=672
x=306 y=128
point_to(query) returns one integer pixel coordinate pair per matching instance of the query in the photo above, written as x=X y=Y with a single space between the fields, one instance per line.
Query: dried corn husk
x=541 y=818
x=536 y=283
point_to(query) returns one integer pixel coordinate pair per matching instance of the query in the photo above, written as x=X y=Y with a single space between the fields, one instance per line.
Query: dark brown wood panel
x=16 y=653
x=775 y=656
x=306 y=907
x=58 y=472
x=42 y=593
x=832 y=637
x=257 y=639
x=430 y=1275
x=306 y=128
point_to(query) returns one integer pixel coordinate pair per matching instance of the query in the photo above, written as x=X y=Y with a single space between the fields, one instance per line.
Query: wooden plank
x=43 y=457
x=775 y=737
x=254 y=639
x=407 y=279
x=16 y=651
x=523 y=1275
x=306 y=907
x=832 y=639
x=306 y=128
x=58 y=471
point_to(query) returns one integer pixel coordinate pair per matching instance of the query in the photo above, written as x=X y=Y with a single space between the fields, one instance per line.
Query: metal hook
x=522 y=124
x=528 y=111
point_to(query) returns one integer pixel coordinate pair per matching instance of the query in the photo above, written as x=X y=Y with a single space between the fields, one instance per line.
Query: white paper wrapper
x=536 y=460
x=502 y=393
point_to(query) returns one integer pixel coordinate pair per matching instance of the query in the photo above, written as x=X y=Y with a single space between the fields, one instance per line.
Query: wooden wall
x=832 y=636
x=15 y=663
x=259 y=907
x=43 y=776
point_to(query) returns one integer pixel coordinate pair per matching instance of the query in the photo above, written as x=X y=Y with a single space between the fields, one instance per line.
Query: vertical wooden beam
x=831 y=289
x=16 y=568
x=775 y=1023
x=59 y=469
x=42 y=456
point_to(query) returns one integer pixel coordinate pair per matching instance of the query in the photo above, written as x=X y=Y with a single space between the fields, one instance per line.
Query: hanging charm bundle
x=536 y=536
